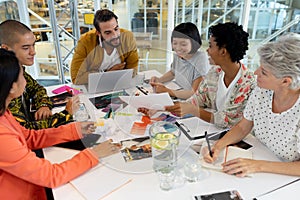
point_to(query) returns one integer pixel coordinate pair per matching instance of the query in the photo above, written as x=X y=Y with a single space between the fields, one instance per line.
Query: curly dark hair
x=232 y=37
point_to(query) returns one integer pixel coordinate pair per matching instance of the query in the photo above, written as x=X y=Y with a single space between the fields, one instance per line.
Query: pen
x=208 y=145
x=145 y=92
x=108 y=114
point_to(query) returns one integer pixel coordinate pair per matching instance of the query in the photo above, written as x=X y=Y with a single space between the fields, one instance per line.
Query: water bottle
x=81 y=115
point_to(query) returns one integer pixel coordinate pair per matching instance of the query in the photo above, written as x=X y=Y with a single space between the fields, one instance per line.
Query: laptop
x=110 y=81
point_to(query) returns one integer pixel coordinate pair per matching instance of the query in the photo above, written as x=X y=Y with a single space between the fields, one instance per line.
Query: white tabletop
x=144 y=182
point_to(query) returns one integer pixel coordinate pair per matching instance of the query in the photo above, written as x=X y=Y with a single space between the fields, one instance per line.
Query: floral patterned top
x=232 y=113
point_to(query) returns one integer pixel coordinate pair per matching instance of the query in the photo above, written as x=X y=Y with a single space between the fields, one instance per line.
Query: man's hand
x=42 y=113
x=117 y=67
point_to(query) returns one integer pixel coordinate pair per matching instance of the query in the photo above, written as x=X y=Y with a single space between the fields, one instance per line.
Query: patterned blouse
x=36 y=95
x=280 y=132
x=232 y=113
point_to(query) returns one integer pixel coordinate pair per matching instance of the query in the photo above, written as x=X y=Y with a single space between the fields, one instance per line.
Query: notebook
x=110 y=81
x=232 y=152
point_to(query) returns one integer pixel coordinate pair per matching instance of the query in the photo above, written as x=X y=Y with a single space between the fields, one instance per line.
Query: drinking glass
x=192 y=170
x=82 y=114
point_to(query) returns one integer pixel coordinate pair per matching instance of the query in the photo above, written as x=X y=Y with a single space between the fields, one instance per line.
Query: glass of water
x=164 y=139
x=82 y=114
x=192 y=171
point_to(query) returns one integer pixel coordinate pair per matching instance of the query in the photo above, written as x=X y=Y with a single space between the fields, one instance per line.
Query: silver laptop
x=110 y=81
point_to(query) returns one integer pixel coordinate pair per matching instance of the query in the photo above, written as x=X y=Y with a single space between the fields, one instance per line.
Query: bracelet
x=44 y=105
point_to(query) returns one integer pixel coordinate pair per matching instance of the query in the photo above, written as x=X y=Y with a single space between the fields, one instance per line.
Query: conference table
x=114 y=179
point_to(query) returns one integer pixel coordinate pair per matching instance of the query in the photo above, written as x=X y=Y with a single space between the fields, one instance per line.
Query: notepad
x=65 y=88
x=232 y=153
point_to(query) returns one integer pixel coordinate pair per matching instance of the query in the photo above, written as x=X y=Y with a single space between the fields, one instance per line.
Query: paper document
x=172 y=85
x=92 y=186
x=152 y=101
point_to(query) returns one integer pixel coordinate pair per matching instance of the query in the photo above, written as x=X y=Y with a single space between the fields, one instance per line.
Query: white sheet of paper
x=151 y=101
x=92 y=186
x=172 y=85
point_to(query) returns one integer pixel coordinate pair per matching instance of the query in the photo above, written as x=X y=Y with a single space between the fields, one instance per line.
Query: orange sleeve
x=17 y=159
x=37 y=139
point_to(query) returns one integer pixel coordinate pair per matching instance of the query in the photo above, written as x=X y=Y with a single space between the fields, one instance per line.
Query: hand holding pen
x=208 y=145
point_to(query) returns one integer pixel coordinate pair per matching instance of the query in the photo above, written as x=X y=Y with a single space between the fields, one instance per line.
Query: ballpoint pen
x=145 y=92
x=208 y=145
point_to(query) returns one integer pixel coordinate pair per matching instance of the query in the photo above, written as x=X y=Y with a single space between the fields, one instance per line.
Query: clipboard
x=194 y=128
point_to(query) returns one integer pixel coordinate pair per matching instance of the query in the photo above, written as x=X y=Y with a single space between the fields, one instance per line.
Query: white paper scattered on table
x=92 y=186
x=151 y=101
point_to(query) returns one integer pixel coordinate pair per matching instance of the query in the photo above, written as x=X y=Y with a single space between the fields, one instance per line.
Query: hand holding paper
x=153 y=101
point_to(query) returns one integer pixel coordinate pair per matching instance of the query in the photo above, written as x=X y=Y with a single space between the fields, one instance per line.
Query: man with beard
x=105 y=48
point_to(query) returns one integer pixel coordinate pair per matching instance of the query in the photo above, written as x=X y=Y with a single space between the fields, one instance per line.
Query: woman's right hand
x=106 y=148
x=206 y=155
x=153 y=79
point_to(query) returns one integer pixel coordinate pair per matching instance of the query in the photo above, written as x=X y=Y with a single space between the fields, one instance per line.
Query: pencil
x=226 y=153
x=116 y=189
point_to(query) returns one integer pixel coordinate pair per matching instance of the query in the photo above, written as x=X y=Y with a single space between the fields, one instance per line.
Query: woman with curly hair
x=222 y=95
x=272 y=112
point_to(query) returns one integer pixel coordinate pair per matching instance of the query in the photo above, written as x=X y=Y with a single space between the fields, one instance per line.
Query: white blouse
x=280 y=132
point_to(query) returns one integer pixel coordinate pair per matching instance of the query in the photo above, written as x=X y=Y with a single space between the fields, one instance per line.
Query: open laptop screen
x=110 y=81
